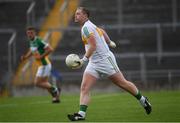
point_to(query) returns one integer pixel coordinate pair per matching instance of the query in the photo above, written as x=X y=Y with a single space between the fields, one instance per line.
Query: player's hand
x=112 y=44
x=38 y=56
x=81 y=62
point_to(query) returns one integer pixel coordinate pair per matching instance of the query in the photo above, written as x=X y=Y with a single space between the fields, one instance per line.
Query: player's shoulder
x=84 y=26
x=38 y=38
x=40 y=41
x=88 y=25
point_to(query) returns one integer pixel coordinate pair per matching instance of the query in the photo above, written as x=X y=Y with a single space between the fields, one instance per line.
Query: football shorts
x=105 y=67
x=44 y=70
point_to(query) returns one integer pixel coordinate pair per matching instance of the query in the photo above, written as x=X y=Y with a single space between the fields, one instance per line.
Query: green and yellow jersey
x=37 y=46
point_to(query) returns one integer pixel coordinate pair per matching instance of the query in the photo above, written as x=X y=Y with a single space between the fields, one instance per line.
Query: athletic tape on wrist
x=85 y=59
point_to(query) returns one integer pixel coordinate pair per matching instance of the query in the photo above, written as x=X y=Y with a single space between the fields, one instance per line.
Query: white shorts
x=44 y=70
x=105 y=67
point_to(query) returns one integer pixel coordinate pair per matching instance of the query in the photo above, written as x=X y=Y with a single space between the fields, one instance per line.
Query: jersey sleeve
x=87 y=31
x=43 y=44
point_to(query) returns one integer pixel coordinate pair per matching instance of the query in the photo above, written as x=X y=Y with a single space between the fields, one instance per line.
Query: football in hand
x=72 y=61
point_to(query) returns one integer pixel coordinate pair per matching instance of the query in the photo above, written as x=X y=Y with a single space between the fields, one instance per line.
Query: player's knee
x=37 y=82
x=84 y=89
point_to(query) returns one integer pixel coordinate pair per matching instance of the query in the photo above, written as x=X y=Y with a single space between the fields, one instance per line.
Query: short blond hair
x=85 y=11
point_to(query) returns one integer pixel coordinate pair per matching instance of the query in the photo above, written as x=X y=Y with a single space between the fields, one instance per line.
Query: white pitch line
x=32 y=103
x=7 y=105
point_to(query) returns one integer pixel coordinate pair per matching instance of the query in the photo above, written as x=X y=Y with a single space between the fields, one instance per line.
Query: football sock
x=138 y=95
x=53 y=90
x=82 y=110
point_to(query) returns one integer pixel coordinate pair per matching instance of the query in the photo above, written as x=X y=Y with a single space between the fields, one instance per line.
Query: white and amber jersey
x=102 y=50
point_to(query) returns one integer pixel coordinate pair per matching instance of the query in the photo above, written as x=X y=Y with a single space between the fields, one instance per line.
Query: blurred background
x=146 y=32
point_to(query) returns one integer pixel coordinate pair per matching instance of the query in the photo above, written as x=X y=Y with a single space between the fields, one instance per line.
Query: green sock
x=52 y=88
x=83 y=108
x=138 y=96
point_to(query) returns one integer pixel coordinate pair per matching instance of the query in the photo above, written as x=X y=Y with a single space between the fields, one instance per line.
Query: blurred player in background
x=101 y=62
x=40 y=51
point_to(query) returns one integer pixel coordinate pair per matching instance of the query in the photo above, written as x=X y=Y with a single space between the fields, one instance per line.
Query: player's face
x=30 y=34
x=79 y=16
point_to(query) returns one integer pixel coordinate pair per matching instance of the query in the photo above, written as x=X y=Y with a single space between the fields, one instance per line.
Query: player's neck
x=84 y=22
x=33 y=39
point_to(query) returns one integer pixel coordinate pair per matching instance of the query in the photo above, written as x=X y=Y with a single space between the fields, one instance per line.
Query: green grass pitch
x=119 y=107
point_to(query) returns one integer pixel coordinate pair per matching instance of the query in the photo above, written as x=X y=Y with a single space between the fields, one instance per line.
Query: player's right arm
x=89 y=35
x=26 y=56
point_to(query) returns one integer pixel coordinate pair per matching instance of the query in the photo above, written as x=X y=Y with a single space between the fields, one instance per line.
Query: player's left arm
x=48 y=49
x=107 y=39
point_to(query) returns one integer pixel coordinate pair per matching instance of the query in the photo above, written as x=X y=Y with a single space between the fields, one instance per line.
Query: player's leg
x=117 y=77
x=120 y=81
x=88 y=81
x=56 y=82
x=41 y=80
